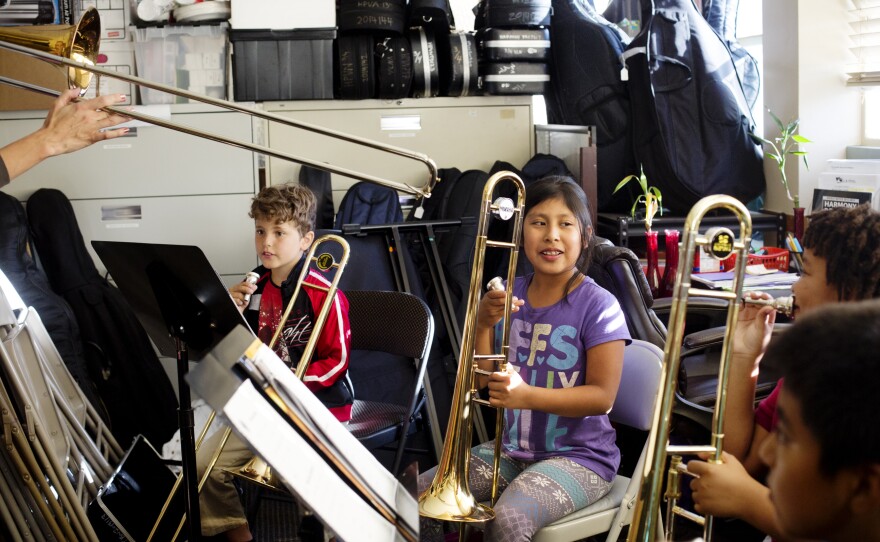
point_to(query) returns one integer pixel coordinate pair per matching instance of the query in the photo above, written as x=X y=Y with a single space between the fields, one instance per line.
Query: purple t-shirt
x=548 y=347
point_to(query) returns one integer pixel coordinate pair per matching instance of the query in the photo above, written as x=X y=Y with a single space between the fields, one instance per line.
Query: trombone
x=324 y=262
x=77 y=48
x=449 y=498
x=719 y=243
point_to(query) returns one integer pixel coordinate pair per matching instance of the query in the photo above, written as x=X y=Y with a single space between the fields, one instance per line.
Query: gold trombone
x=449 y=498
x=719 y=243
x=262 y=475
x=77 y=49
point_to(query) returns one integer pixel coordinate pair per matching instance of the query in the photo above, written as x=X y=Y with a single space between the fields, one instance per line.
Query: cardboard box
x=853 y=166
x=836 y=180
x=29 y=70
x=282 y=14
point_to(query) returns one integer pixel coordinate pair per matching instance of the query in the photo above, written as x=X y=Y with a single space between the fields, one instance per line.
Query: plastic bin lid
x=214 y=10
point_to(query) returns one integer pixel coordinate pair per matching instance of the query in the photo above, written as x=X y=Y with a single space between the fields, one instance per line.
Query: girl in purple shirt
x=565 y=359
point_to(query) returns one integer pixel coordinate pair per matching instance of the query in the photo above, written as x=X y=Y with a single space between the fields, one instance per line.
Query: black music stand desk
x=186 y=310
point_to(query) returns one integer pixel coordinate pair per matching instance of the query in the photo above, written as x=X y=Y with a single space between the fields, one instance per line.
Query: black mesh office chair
x=617 y=269
x=399 y=324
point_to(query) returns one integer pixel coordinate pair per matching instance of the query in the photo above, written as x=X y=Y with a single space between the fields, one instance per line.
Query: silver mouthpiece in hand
x=250 y=278
x=783 y=305
x=495 y=284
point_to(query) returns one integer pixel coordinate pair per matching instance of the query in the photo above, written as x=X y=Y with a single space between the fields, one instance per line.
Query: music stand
x=186 y=310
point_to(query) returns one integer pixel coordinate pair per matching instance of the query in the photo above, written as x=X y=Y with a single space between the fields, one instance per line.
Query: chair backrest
x=393 y=322
x=639 y=385
x=617 y=269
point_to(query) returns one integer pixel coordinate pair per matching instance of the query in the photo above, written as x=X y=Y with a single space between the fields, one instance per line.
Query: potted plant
x=650 y=197
x=787 y=144
x=652 y=200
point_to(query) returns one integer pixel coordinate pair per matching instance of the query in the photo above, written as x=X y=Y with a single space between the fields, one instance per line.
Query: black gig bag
x=690 y=117
x=586 y=90
x=33 y=287
x=131 y=382
x=721 y=16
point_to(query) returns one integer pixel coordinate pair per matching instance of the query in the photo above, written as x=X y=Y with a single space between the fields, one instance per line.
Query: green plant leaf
x=800 y=139
x=774 y=156
x=622 y=183
x=798 y=153
x=643 y=182
x=776 y=120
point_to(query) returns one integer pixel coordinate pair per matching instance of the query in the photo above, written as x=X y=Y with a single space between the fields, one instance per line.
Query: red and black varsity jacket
x=327 y=375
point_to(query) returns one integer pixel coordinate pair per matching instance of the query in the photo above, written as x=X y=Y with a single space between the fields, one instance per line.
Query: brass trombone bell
x=78 y=43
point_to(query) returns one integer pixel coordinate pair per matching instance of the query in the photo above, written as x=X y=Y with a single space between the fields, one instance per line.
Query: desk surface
x=619 y=228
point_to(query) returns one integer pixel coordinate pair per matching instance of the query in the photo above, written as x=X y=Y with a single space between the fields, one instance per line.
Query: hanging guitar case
x=32 y=285
x=721 y=16
x=586 y=90
x=690 y=116
x=131 y=382
x=355 y=69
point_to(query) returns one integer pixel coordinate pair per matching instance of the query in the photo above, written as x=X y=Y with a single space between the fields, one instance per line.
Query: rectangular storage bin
x=282 y=64
x=773 y=258
x=188 y=57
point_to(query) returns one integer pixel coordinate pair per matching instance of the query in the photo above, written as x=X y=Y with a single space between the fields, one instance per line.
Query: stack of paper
x=724 y=281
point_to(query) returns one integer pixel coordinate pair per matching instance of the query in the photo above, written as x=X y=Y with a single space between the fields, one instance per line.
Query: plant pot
x=798 y=223
x=653 y=272
x=667 y=283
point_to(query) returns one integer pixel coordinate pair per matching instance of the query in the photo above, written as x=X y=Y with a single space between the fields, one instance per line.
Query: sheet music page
x=306 y=472
x=346 y=446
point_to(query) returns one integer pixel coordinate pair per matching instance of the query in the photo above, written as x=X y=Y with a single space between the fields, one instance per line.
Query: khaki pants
x=219 y=502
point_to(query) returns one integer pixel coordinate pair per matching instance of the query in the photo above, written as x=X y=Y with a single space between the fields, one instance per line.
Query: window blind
x=865 y=37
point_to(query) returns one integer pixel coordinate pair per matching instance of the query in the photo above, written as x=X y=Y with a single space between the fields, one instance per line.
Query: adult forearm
x=19 y=156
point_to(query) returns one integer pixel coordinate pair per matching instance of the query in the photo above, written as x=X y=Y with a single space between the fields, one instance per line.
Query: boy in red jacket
x=284 y=216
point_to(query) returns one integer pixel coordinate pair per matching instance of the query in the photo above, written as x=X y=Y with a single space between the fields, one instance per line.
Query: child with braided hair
x=841 y=264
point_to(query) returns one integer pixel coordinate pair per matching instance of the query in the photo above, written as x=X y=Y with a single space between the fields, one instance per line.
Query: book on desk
x=724 y=281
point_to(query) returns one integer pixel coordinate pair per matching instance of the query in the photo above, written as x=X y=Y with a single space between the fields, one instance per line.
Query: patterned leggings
x=534 y=494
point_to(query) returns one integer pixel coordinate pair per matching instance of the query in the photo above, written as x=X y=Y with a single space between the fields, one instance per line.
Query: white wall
x=805 y=51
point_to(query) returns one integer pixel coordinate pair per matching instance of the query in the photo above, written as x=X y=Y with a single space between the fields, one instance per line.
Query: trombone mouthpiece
x=783 y=305
x=495 y=284
x=250 y=278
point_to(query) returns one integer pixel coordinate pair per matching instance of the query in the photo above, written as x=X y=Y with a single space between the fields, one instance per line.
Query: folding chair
x=634 y=407
x=395 y=323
